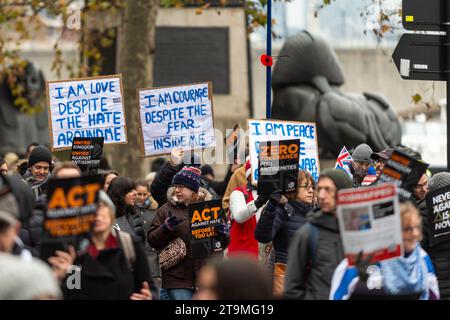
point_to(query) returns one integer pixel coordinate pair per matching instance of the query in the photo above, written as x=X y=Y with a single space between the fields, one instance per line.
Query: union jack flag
x=343 y=161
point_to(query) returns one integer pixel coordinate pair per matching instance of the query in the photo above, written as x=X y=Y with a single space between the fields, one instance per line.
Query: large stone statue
x=18 y=129
x=306 y=81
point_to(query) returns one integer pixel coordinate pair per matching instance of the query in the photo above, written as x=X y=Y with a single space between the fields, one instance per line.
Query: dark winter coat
x=184 y=274
x=131 y=222
x=109 y=277
x=148 y=215
x=308 y=277
x=279 y=223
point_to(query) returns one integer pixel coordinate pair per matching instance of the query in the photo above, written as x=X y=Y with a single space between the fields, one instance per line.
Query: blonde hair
x=407 y=208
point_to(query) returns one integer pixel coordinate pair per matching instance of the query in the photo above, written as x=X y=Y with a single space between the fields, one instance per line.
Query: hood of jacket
x=24 y=197
x=323 y=220
x=204 y=195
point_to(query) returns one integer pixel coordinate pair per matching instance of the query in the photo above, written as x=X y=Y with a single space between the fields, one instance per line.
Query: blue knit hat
x=188 y=177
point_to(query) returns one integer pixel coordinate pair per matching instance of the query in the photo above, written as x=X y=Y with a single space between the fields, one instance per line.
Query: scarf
x=405 y=275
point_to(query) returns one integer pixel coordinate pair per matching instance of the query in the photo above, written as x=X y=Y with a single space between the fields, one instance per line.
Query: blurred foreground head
x=239 y=278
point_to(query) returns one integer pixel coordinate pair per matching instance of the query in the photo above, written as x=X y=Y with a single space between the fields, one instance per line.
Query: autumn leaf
x=385 y=28
x=416 y=98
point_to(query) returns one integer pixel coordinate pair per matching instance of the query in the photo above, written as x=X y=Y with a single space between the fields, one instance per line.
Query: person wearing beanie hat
x=172 y=222
x=188 y=177
x=38 y=172
x=439 y=180
x=361 y=163
x=9 y=222
x=40 y=162
x=26 y=280
x=113 y=266
x=439 y=253
x=309 y=274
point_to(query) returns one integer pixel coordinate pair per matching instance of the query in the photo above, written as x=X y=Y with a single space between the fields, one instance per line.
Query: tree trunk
x=136 y=52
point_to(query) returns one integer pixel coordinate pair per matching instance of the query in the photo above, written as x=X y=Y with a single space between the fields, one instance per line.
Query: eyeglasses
x=41 y=168
x=421 y=186
x=326 y=189
x=412 y=228
x=178 y=186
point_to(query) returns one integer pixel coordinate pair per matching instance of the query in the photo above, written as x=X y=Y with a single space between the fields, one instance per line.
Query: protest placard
x=86 y=107
x=87 y=153
x=176 y=116
x=204 y=217
x=278 y=166
x=369 y=221
x=270 y=130
x=404 y=171
x=71 y=206
x=438 y=205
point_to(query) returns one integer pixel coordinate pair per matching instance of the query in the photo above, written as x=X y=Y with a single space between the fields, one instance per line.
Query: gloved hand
x=223 y=229
x=276 y=197
x=171 y=222
x=260 y=201
x=361 y=266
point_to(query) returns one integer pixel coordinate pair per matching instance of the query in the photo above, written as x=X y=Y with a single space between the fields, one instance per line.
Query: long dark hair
x=117 y=191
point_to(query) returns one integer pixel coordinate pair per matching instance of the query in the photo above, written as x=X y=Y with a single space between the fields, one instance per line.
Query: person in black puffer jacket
x=122 y=192
x=440 y=252
x=281 y=218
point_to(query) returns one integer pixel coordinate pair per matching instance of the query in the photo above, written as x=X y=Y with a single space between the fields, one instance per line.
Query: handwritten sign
x=88 y=107
x=180 y=116
x=275 y=130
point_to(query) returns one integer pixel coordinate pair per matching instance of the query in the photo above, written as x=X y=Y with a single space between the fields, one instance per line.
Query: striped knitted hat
x=188 y=177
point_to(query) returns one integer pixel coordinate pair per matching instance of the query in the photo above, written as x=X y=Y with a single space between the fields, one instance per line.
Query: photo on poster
x=356 y=219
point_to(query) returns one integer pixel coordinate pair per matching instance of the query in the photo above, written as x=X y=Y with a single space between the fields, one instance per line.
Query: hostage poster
x=204 y=217
x=369 y=221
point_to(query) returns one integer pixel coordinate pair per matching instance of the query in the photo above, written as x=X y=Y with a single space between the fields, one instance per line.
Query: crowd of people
x=277 y=246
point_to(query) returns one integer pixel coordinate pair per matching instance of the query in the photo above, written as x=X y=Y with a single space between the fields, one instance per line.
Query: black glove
x=171 y=222
x=361 y=266
x=223 y=230
x=276 y=196
x=260 y=201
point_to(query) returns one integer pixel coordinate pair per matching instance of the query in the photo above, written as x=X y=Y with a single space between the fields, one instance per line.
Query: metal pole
x=269 y=54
